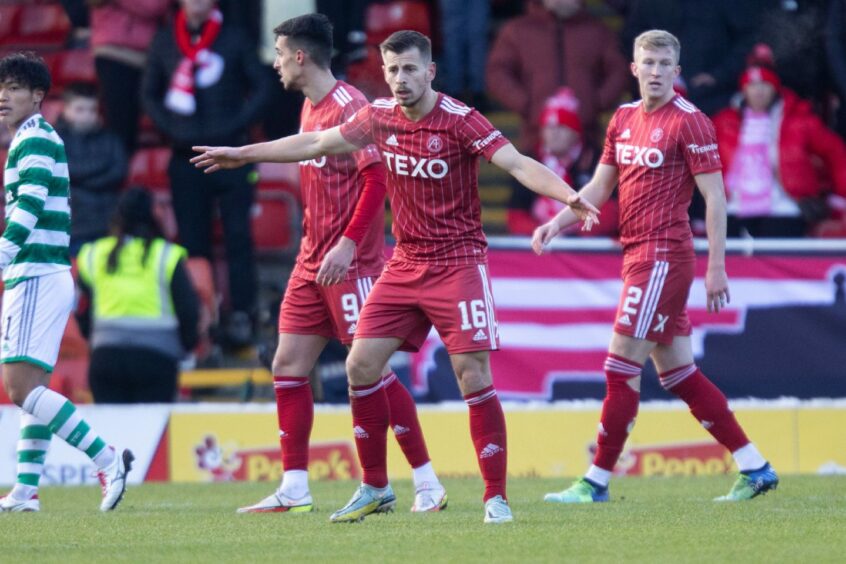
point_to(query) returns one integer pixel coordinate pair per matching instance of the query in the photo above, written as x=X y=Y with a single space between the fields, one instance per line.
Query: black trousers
x=195 y=195
x=767 y=227
x=120 y=87
x=132 y=375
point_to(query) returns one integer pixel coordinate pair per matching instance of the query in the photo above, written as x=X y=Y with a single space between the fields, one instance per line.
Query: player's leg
x=35 y=313
x=641 y=321
x=680 y=376
x=371 y=417
x=487 y=429
x=430 y=495
x=32 y=447
x=389 y=319
x=623 y=365
x=459 y=301
x=304 y=330
x=345 y=302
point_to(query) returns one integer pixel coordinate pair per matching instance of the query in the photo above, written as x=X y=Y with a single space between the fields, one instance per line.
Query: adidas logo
x=352 y=328
x=627 y=134
x=490 y=450
x=360 y=433
x=601 y=430
x=282 y=433
x=707 y=424
x=400 y=430
x=480 y=335
x=392 y=140
x=625 y=320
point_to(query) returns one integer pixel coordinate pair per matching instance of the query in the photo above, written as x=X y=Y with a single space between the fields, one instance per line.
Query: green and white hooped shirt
x=35 y=240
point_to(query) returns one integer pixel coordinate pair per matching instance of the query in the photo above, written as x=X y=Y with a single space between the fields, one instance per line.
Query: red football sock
x=707 y=403
x=371 y=415
x=404 y=422
x=295 y=413
x=619 y=410
x=487 y=429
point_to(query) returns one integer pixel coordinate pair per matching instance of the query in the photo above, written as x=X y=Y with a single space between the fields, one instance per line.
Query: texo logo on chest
x=406 y=165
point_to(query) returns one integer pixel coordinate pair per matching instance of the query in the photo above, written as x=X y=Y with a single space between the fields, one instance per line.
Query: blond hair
x=657 y=38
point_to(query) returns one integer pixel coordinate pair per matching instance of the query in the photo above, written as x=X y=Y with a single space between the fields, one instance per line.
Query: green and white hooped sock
x=63 y=419
x=33 y=444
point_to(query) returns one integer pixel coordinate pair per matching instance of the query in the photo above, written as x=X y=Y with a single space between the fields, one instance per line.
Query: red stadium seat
x=75 y=65
x=44 y=25
x=51 y=109
x=10 y=16
x=148 y=167
x=283 y=177
x=275 y=222
x=366 y=75
x=382 y=20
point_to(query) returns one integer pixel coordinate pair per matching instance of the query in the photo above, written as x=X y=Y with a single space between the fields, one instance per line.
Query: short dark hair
x=79 y=90
x=403 y=40
x=311 y=33
x=27 y=69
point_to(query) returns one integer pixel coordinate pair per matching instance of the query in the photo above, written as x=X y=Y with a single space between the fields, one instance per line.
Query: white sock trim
x=424 y=474
x=598 y=475
x=294 y=483
x=748 y=458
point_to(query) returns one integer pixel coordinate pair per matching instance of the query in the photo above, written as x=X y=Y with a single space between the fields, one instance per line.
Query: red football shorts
x=653 y=305
x=408 y=299
x=329 y=311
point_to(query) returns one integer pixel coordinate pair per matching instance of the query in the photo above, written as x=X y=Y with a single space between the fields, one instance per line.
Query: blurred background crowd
x=138 y=82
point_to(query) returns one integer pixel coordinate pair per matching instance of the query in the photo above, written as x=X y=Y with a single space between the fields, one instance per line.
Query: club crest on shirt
x=434 y=144
x=656 y=135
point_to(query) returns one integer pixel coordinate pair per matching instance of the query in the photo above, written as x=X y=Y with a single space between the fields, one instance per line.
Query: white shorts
x=35 y=313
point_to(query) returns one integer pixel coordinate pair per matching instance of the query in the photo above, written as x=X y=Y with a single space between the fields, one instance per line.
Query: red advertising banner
x=555 y=315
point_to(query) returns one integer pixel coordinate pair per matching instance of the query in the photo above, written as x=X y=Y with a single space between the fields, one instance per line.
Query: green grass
x=648 y=520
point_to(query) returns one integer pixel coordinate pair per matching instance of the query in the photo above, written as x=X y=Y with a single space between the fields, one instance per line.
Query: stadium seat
x=148 y=167
x=283 y=177
x=73 y=65
x=366 y=74
x=275 y=222
x=381 y=20
x=10 y=16
x=51 y=109
x=45 y=25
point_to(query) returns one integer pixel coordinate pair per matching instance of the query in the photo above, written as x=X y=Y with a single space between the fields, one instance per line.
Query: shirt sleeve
x=34 y=175
x=698 y=142
x=609 y=154
x=358 y=127
x=479 y=137
x=369 y=154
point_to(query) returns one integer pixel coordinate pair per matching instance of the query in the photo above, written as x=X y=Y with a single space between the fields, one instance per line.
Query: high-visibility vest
x=132 y=306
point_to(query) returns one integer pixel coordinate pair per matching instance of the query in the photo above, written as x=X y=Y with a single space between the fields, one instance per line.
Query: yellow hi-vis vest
x=132 y=306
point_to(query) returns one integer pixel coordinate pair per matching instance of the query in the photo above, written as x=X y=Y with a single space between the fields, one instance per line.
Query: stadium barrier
x=220 y=442
x=780 y=335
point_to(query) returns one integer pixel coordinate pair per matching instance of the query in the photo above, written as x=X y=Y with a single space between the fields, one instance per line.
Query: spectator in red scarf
x=779 y=159
x=205 y=84
x=563 y=150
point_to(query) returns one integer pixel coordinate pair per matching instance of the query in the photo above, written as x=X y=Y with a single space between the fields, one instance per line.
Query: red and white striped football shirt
x=432 y=176
x=657 y=154
x=331 y=186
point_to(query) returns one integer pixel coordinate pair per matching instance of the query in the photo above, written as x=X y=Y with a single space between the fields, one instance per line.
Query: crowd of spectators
x=770 y=73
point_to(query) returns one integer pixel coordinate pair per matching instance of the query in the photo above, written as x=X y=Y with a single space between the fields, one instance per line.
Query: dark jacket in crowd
x=97 y=165
x=535 y=54
x=225 y=109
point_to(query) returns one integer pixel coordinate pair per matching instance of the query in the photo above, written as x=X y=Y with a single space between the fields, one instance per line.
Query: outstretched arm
x=595 y=192
x=710 y=184
x=294 y=148
x=539 y=179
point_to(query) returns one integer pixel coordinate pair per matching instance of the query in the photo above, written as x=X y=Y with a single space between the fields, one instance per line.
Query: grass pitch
x=648 y=520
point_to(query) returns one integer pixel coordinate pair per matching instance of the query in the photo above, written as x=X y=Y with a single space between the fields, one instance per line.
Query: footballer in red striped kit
x=430 y=144
x=659 y=148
